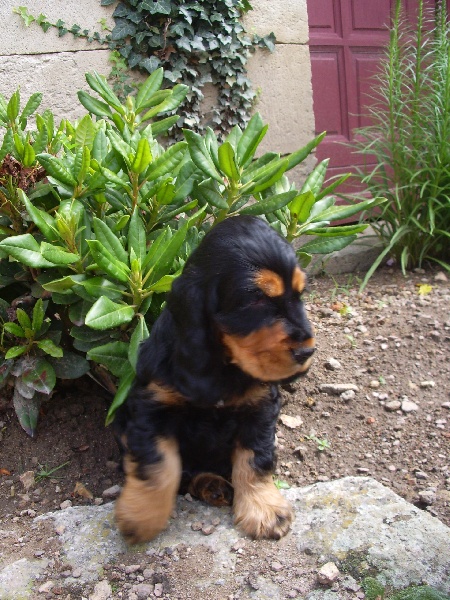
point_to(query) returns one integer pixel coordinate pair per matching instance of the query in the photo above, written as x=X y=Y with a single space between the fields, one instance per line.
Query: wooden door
x=347 y=38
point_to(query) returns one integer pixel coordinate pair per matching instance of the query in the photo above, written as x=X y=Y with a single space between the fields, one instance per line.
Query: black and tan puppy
x=203 y=409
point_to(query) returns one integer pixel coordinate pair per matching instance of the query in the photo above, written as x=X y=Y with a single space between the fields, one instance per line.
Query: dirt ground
x=389 y=345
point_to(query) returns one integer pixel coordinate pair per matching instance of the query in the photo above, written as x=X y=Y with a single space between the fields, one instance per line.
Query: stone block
x=16 y=38
x=288 y=20
x=59 y=76
x=283 y=82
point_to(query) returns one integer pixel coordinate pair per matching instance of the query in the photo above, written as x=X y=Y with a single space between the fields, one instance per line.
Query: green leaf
x=57 y=169
x=106 y=314
x=164 y=284
x=299 y=156
x=27 y=411
x=167 y=162
x=26 y=250
x=14 y=329
x=143 y=156
x=250 y=139
x=335 y=213
x=49 y=347
x=43 y=220
x=136 y=236
x=315 y=179
x=300 y=207
x=269 y=205
x=23 y=319
x=208 y=191
x=121 y=395
x=163 y=125
x=109 y=240
x=38 y=316
x=327 y=245
x=99 y=84
x=99 y=286
x=150 y=86
x=200 y=155
x=227 y=162
x=64 y=284
x=15 y=351
x=139 y=334
x=113 y=356
x=31 y=106
x=107 y=262
x=94 y=106
x=57 y=255
x=70 y=366
x=40 y=375
x=85 y=132
x=336 y=231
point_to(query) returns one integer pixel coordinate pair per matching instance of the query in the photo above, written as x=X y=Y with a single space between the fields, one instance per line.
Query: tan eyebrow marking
x=298 y=280
x=270 y=283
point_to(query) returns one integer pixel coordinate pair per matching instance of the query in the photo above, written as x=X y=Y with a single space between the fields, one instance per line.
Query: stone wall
x=44 y=62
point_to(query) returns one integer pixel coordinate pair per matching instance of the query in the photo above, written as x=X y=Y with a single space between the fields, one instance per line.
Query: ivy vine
x=197 y=42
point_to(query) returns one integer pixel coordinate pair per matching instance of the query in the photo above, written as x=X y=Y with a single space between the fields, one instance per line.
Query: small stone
x=291 y=422
x=446 y=405
x=112 y=492
x=158 y=591
x=132 y=569
x=409 y=406
x=374 y=384
x=348 y=395
x=276 y=566
x=196 y=526
x=337 y=388
x=208 y=529
x=102 y=591
x=440 y=276
x=143 y=590
x=332 y=364
x=428 y=497
x=60 y=529
x=27 y=480
x=427 y=384
x=76 y=573
x=393 y=405
x=65 y=504
x=421 y=475
x=238 y=545
x=46 y=587
x=328 y=574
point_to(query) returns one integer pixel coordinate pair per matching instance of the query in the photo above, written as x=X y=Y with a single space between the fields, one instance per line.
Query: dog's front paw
x=142 y=512
x=263 y=512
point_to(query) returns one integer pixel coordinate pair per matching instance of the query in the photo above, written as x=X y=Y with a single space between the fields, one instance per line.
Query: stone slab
x=355 y=521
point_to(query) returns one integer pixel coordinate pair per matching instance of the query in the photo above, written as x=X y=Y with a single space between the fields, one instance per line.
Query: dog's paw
x=263 y=513
x=141 y=513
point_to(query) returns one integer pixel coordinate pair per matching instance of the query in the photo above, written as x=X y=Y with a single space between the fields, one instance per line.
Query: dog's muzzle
x=302 y=354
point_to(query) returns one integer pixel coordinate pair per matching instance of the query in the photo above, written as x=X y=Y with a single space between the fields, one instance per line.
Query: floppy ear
x=197 y=358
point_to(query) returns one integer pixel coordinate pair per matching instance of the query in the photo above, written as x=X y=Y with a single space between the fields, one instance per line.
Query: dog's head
x=240 y=296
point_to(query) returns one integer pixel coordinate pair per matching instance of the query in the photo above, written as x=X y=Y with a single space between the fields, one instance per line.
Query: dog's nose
x=302 y=354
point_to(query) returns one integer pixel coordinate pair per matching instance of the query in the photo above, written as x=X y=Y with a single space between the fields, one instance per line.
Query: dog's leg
x=148 y=496
x=259 y=508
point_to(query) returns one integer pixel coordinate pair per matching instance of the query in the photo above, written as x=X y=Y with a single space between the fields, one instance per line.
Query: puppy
x=203 y=408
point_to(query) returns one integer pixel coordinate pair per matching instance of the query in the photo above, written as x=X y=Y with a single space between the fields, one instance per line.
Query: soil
x=390 y=343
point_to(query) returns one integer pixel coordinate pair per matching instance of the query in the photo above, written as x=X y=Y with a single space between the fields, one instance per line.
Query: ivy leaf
x=156 y=6
x=122 y=30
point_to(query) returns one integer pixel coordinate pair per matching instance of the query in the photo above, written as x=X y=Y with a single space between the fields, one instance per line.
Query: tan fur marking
x=264 y=354
x=259 y=508
x=252 y=397
x=270 y=283
x=298 y=280
x=145 y=506
x=165 y=395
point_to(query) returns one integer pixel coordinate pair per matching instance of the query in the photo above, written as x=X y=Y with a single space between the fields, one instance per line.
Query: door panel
x=347 y=40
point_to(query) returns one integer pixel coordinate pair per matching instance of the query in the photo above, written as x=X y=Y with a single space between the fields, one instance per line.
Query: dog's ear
x=197 y=357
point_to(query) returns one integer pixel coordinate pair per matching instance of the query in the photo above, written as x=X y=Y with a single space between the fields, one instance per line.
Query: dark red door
x=346 y=41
